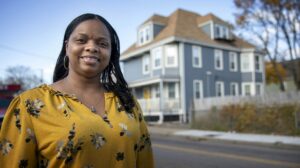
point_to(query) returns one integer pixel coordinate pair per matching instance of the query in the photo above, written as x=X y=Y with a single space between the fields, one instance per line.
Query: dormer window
x=221 y=32
x=144 y=35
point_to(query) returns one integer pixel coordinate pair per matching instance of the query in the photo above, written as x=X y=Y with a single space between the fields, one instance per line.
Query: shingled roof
x=184 y=24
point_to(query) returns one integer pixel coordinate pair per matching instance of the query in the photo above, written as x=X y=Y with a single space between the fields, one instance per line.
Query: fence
x=266 y=99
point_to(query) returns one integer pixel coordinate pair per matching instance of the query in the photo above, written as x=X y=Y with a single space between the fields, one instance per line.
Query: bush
x=249 y=118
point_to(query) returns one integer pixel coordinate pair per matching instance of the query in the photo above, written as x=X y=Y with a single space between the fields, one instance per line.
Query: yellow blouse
x=46 y=128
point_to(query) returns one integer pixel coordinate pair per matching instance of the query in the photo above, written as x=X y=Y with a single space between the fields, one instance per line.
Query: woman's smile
x=91 y=60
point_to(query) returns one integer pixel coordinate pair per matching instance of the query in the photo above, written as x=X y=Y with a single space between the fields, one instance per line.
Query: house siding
x=247 y=77
x=207 y=29
x=258 y=77
x=133 y=69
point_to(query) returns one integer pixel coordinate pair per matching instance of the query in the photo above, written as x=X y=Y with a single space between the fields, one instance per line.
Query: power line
x=23 y=52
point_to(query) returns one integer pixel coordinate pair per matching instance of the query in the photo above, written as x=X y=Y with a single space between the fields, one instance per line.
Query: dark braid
x=111 y=77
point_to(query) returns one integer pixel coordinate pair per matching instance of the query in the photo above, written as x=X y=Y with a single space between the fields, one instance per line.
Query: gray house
x=185 y=57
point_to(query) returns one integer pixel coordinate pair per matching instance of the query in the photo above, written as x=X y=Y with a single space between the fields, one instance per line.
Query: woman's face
x=89 y=48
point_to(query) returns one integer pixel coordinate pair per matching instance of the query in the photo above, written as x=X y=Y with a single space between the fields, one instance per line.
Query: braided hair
x=111 y=77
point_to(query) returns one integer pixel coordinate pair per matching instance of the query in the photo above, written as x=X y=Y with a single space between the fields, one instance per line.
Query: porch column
x=161 y=93
x=161 y=101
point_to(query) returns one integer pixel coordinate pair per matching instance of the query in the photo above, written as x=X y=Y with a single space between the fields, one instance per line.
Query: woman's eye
x=80 y=40
x=104 y=45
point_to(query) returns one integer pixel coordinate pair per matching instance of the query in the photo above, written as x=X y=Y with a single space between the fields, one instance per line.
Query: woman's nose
x=92 y=47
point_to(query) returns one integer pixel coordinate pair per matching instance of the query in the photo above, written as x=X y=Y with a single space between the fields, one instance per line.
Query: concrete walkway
x=228 y=136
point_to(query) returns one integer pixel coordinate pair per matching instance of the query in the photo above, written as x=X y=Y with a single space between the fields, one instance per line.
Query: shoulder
x=37 y=92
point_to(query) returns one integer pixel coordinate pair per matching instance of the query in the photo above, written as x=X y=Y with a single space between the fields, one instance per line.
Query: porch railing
x=153 y=106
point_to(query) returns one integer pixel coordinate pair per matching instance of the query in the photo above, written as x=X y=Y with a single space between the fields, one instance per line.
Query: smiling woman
x=87 y=117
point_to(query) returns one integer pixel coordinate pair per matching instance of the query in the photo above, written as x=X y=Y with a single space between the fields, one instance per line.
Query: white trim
x=144 y=82
x=212 y=30
x=222 y=88
x=183 y=40
x=204 y=23
x=157 y=57
x=247 y=58
x=175 y=56
x=261 y=88
x=168 y=89
x=199 y=56
x=251 y=84
x=236 y=88
x=235 y=61
x=182 y=81
x=200 y=89
x=216 y=51
x=260 y=62
x=146 y=59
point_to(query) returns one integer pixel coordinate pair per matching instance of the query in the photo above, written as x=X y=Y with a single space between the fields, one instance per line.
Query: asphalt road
x=177 y=152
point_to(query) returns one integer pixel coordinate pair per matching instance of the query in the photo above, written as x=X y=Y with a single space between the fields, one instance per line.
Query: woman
x=87 y=117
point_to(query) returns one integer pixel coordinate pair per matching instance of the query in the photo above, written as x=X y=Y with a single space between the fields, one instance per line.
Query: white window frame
x=168 y=84
x=247 y=58
x=236 y=89
x=261 y=89
x=223 y=31
x=168 y=54
x=155 y=57
x=146 y=61
x=260 y=63
x=251 y=92
x=221 y=87
x=144 y=32
x=233 y=59
x=197 y=54
x=218 y=53
x=200 y=88
x=156 y=91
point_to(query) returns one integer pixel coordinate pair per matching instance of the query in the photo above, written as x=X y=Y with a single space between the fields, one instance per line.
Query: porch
x=155 y=110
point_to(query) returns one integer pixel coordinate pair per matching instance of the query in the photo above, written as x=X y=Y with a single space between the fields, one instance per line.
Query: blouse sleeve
x=17 y=140
x=145 y=155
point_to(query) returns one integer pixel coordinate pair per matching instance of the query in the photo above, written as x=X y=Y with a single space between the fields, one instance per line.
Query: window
x=156 y=91
x=245 y=63
x=197 y=56
x=171 y=90
x=219 y=89
x=157 y=55
x=233 y=61
x=144 y=34
x=146 y=64
x=258 y=90
x=218 y=60
x=234 y=90
x=258 y=63
x=147 y=34
x=221 y=32
x=171 y=56
x=247 y=89
x=198 y=90
x=141 y=35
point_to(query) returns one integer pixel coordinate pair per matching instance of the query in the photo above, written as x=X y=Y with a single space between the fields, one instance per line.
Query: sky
x=32 y=31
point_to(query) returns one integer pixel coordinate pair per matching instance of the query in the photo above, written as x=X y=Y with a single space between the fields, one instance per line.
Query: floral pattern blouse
x=46 y=128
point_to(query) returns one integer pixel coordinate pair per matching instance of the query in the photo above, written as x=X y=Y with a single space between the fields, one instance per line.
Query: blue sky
x=32 y=31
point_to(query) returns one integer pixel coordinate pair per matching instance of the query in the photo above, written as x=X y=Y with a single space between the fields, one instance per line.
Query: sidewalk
x=227 y=136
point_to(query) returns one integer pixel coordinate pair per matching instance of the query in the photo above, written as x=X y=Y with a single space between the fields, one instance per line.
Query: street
x=176 y=152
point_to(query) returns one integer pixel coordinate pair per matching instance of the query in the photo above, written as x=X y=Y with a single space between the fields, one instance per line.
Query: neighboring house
x=186 y=56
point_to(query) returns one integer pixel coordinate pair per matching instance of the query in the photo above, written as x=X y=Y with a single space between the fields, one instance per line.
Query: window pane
x=171 y=88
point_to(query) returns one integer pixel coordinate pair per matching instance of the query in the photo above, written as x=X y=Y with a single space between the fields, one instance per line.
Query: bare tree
x=23 y=76
x=276 y=26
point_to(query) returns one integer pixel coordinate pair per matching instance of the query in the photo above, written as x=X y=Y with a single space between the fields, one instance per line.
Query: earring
x=66 y=67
